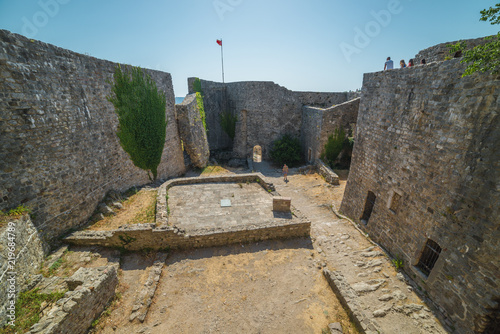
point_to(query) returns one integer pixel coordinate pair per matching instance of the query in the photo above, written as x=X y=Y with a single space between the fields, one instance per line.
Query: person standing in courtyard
x=389 y=64
x=285 y=173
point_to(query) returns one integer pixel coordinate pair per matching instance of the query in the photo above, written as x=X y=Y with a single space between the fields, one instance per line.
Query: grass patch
x=213 y=170
x=28 y=309
x=15 y=213
x=146 y=215
x=61 y=266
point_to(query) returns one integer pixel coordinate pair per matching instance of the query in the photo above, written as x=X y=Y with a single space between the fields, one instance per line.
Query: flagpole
x=222 y=59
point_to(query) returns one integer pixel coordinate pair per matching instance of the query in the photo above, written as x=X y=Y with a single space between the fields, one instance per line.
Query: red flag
x=219 y=41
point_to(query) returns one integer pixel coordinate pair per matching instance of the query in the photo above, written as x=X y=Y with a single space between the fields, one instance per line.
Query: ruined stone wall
x=441 y=51
x=271 y=112
x=265 y=112
x=318 y=124
x=192 y=132
x=427 y=150
x=90 y=291
x=312 y=119
x=322 y=100
x=59 y=153
x=215 y=101
x=27 y=248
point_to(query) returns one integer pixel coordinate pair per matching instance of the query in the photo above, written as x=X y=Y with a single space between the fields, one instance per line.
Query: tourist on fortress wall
x=285 y=173
x=410 y=63
x=402 y=63
x=389 y=64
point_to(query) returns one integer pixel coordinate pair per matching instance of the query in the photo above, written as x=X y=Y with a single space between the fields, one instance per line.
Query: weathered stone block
x=282 y=204
x=76 y=311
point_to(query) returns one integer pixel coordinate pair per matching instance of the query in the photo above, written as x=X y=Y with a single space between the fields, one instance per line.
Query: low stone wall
x=162 y=205
x=28 y=257
x=137 y=237
x=348 y=298
x=327 y=172
x=164 y=236
x=93 y=289
x=192 y=132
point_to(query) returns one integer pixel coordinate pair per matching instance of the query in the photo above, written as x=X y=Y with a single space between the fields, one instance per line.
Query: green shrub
x=199 y=101
x=228 y=123
x=334 y=146
x=287 y=150
x=141 y=114
x=197 y=86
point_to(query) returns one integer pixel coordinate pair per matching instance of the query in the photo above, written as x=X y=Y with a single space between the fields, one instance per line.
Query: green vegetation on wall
x=286 y=150
x=141 y=114
x=333 y=146
x=228 y=123
x=336 y=144
x=199 y=101
x=482 y=58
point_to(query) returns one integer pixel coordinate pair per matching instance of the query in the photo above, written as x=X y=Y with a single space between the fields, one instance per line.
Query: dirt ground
x=318 y=190
x=267 y=287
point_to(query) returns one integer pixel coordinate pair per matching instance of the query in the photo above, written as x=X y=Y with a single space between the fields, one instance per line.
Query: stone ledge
x=327 y=172
x=140 y=237
x=145 y=296
x=74 y=313
x=348 y=298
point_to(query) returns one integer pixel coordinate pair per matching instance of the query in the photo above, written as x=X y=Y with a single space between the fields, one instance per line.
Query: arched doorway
x=257 y=153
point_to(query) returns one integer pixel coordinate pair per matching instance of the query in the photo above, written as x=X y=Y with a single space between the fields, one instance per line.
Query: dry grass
x=139 y=208
x=214 y=170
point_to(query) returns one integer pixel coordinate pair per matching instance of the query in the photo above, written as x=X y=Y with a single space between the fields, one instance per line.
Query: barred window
x=429 y=257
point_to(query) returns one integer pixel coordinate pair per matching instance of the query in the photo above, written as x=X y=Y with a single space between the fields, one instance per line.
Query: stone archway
x=257 y=153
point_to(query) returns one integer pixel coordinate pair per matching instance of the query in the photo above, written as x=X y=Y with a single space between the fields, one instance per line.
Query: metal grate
x=429 y=257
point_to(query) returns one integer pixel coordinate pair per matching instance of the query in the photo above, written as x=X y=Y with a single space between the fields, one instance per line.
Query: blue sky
x=314 y=45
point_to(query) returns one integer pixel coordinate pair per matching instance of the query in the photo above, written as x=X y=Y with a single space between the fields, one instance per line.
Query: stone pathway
x=377 y=294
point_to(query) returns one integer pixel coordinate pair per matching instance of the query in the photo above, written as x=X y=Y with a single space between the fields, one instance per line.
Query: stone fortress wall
x=319 y=123
x=59 y=153
x=424 y=183
x=265 y=112
x=424 y=174
x=441 y=51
